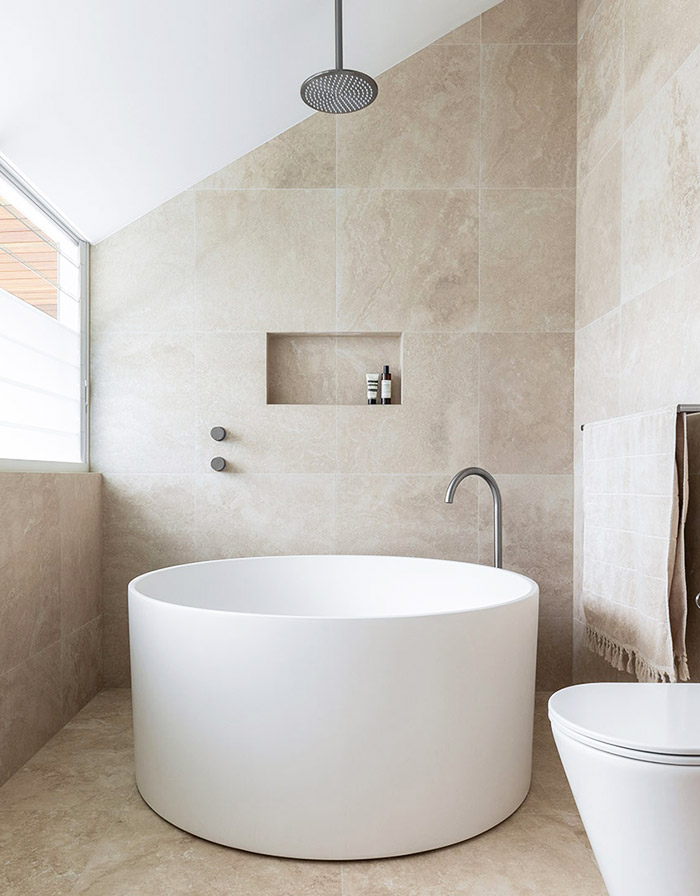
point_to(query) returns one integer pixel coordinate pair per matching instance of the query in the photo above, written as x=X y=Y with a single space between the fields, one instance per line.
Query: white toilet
x=631 y=753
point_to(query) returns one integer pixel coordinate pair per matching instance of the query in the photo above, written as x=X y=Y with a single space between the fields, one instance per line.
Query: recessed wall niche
x=329 y=368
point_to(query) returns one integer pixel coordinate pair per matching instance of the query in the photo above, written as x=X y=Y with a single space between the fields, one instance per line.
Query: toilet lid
x=652 y=718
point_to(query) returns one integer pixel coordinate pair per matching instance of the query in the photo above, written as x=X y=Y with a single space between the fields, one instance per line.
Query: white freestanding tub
x=333 y=707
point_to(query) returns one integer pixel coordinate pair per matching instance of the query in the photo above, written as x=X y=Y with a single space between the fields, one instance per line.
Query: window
x=43 y=344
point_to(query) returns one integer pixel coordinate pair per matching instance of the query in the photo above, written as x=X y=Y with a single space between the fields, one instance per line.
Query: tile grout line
x=590 y=22
x=478 y=286
x=622 y=217
x=579 y=184
x=660 y=90
x=436 y=188
x=195 y=540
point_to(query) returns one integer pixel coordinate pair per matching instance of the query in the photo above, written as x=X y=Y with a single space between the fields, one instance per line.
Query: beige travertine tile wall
x=638 y=236
x=50 y=606
x=444 y=213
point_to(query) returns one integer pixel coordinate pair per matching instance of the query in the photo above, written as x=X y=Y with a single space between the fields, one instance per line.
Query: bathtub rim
x=533 y=590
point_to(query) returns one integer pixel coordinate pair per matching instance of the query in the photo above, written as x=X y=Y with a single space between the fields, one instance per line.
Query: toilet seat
x=657 y=723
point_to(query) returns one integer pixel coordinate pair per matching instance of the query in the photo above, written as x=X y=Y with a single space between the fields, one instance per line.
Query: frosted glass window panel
x=42 y=368
x=27 y=407
x=38 y=369
x=40 y=384
x=24 y=324
x=34 y=444
x=68 y=312
x=69 y=277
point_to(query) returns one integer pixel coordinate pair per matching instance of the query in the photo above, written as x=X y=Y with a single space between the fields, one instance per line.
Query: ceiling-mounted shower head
x=339 y=89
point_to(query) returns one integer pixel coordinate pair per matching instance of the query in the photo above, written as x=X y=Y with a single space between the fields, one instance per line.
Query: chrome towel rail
x=682 y=409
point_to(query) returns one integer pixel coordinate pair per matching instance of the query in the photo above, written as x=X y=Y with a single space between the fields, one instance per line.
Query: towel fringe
x=682 y=670
x=626 y=659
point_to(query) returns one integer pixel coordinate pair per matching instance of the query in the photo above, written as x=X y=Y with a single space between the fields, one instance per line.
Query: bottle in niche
x=372 y=387
x=386 y=385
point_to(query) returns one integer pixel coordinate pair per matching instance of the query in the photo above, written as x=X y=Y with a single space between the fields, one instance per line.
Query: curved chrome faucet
x=497 y=517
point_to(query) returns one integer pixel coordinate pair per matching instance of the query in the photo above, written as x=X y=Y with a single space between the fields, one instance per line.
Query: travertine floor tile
x=72 y=824
x=142 y=854
x=44 y=852
x=532 y=852
x=88 y=763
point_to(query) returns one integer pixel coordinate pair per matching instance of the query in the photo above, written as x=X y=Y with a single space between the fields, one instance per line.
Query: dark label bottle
x=386 y=385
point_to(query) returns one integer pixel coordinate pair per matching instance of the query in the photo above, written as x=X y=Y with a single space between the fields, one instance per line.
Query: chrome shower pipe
x=338 y=33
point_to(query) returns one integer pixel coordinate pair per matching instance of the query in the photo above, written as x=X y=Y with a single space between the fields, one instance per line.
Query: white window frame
x=10 y=465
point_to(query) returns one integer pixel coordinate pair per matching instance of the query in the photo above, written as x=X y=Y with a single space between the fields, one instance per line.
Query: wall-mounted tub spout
x=497 y=517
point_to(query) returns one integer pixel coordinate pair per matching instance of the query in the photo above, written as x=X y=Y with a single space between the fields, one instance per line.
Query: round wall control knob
x=218 y=433
x=218 y=464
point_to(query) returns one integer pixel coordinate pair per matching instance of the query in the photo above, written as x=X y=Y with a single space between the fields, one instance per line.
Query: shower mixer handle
x=497 y=506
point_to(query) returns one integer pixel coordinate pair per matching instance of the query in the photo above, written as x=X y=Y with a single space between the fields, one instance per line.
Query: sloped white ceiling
x=110 y=107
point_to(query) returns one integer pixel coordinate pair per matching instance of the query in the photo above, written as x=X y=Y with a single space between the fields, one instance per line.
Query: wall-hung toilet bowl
x=631 y=753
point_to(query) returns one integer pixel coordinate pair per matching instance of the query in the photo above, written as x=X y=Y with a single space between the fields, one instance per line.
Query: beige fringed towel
x=634 y=588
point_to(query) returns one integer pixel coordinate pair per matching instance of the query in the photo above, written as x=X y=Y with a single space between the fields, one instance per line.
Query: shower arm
x=338 y=34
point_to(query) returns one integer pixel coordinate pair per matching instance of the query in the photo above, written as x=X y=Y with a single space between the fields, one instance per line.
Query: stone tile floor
x=71 y=822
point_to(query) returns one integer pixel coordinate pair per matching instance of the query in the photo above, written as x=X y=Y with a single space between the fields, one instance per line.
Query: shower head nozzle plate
x=339 y=90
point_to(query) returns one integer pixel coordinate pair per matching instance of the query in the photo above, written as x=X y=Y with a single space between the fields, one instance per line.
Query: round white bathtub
x=333 y=707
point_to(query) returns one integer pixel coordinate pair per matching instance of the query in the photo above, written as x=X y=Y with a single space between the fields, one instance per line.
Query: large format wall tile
x=661 y=200
x=469 y=33
x=659 y=37
x=527 y=260
x=554 y=651
x=597 y=379
x=142 y=413
x=586 y=11
x=250 y=516
x=537 y=539
x=80 y=525
x=148 y=524
x=30 y=566
x=537 y=542
x=423 y=129
x=601 y=85
x=261 y=438
x=405 y=516
x=530 y=22
x=81 y=667
x=265 y=259
x=660 y=339
x=435 y=429
x=115 y=650
x=50 y=609
x=302 y=157
x=528 y=116
x=408 y=260
x=31 y=711
x=142 y=278
x=599 y=239
x=526 y=402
